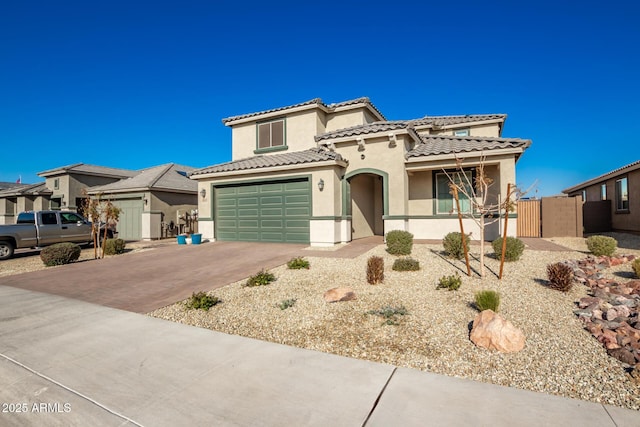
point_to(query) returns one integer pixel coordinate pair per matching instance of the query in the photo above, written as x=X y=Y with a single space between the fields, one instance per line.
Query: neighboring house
x=68 y=183
x=155 y=203
x=22 y=197
x=621 y=187
x=329 y=173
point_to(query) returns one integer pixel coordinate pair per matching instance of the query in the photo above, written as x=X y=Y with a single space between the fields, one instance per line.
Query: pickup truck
x=42 y=228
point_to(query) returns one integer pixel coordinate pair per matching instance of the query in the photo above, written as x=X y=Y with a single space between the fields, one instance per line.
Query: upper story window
x=603 y=192
x=461 y=132
x=622 y=194
x=56 y=184
x=584 y=195
x=271 y=136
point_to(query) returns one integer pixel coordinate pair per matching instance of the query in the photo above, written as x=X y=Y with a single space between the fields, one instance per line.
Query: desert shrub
x=201 y=301
x=60 y=253
x=560 y=276
x=406 y=264
x=298 y=263
x=452 y=244
x=390 y=314
x=450 y=282
x=636 y=267
x=375 y=270
x=602 y=245
x=399 y=242
x=261 y=278
x=286 y=303
x=487 y=300
x=513 y=251
x=114 y=246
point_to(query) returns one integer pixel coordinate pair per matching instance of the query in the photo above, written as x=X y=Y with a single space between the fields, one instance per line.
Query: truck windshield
x=26 y=218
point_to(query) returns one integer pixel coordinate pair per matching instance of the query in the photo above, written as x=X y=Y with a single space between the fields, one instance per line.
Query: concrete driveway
x=144 y=281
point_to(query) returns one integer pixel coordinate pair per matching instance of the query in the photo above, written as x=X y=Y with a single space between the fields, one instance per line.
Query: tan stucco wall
x=622 y=221
x=421 y=195
x=169 y=203
x=300 y=128
x=345 y=119
x=379 y=155
x=492 y=130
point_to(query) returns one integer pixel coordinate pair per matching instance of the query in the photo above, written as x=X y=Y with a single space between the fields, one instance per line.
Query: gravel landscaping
x=559 y=357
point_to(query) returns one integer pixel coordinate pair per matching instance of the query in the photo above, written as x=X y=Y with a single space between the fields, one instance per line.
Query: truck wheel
x=6 y=250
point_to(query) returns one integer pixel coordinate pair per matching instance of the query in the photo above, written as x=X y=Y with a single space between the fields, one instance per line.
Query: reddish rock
x=492 y=331
x=625 y=356
x=339 y=294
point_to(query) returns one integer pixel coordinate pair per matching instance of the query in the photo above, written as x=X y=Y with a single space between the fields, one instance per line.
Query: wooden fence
x=529 y=218
x=550 y=217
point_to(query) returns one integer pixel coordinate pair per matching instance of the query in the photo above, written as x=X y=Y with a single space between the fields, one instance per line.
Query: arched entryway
x=367 y=195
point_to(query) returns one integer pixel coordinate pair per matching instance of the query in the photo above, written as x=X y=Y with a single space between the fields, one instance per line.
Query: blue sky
x=137 y=84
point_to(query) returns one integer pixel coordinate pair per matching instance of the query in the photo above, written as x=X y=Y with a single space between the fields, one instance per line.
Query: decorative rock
x=339 y=294
x=623 y=355
x=492 y=331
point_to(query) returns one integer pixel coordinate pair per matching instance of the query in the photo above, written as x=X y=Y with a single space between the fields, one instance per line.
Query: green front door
x=130 y=221
x=276 y=211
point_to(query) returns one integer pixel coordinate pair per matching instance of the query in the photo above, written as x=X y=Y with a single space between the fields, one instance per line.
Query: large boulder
x=339 y=294
x=492 y=331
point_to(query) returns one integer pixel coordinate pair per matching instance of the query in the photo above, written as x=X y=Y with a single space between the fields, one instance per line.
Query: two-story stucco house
x=328 y=173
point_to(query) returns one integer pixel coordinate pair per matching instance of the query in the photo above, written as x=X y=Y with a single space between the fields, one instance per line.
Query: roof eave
x=253 y=171
x=617 y=172
x=466 y=154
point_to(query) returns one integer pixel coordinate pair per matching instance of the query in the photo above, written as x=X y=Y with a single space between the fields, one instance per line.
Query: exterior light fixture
x=321 y=184
x=203 y=193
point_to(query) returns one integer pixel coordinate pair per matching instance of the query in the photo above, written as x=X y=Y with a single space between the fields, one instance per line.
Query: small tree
x=481 y=209
x=100 y=211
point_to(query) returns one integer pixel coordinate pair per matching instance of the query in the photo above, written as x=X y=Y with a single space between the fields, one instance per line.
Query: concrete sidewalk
x=68 y=362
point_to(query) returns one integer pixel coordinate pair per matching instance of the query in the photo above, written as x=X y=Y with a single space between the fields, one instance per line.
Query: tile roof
x=26 y=190
x=315 y=101
x=164 y=177
x=89 y=170
x=627 y=168
x=433 y=145
x=455 y=120
x=431 y=121
x=312 y=155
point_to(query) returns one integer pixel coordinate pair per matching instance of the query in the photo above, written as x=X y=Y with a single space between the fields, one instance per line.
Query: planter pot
x=196 y=238
x=182 y=239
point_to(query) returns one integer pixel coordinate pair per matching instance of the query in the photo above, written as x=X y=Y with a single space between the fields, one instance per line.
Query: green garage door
x=276 y=211
x=130 y=222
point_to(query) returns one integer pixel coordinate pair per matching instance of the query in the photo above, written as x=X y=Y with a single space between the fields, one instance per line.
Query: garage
x=274 y=211
x=130 y=221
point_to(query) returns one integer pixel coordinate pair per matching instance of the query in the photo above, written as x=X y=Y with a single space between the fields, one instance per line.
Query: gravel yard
x=559 y=357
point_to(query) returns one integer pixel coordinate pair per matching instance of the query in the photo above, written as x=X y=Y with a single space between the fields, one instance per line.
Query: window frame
x=621 y=206
x=603 y=192
x=271 y=147
x=467 y=132
x=436 y=195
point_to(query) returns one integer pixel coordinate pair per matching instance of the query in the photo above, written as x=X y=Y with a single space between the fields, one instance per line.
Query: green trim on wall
x=205 y=219
x=270 y=149
x=452 y=216
x=346 y=190
x=327 y=218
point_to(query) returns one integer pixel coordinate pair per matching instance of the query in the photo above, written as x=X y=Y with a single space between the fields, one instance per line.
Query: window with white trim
x=603 y=192
x=445 y=203
x=461 y=132
x=622 y=194
x=271 y=135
